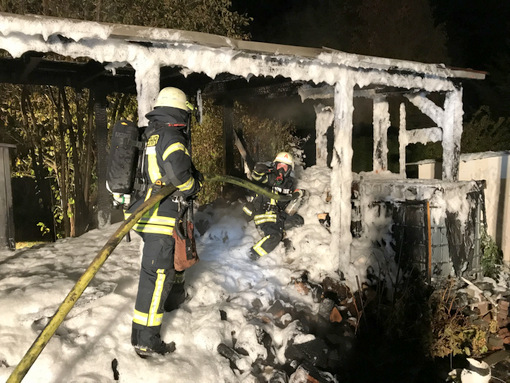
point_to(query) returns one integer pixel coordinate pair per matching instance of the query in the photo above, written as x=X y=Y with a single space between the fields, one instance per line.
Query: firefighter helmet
x=285 y=158
x=172 y=97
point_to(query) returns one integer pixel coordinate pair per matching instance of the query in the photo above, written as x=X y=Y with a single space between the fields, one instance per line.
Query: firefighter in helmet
x=269 y=214
x=166 y=161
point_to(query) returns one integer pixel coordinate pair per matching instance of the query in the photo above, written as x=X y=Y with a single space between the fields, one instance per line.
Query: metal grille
x=438 y=250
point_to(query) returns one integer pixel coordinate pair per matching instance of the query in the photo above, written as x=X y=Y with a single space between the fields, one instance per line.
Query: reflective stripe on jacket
x=167 y=160
x=157 y=220
x=265 y=209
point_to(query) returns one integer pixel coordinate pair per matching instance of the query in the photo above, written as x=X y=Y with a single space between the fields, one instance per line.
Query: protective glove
x=261 y=168
x=248 y=211
x=199 y=177
x=121 y=199
x=298 y=193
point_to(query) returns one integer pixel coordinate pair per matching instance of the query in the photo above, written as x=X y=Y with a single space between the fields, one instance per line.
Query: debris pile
x=488 y=303
x=311 y=345
x=503 y=320
x=337 y=341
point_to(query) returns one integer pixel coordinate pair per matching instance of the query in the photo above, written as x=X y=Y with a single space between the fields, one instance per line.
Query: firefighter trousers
x=156 y=278
x=273 y=232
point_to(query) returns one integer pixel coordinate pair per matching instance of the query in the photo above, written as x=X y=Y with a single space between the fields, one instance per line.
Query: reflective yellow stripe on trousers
x=153 y=318
x=258 y=247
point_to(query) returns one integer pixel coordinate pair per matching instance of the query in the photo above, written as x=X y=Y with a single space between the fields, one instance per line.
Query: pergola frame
x=146 y=53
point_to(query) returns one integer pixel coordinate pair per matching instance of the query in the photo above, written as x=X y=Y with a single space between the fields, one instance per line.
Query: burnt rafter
x=227 y=86
x=32 y=61
x=190 y=84
x=325 y=92
x=38 y=70
x=271 y=62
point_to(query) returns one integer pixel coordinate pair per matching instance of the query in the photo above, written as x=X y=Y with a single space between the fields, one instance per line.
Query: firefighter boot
x=163 y=348
x=253 y=255
x=147 y=342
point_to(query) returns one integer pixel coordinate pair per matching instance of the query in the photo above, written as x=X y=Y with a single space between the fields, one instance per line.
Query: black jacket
x=266 y=174
x=166 y=160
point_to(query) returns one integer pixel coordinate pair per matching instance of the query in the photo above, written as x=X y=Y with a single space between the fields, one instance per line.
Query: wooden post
x=429 y=241
x=341 y=176
x=402 y=140
x=452 y=132
x=147 y=78
x=104 y=204
x=6 y=217
x=228 y=137
x=323 y=120
x=381 y=123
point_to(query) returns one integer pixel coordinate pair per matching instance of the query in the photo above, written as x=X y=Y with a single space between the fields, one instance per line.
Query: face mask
x=281 y=171
x=281 y=165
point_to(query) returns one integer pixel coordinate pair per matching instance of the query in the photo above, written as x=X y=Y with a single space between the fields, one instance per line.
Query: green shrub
x=492 y=257
x=485 y=132
x=453 y=332
x=207 y=149
x=264 y=138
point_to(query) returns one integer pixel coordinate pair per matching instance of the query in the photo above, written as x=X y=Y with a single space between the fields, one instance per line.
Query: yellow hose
x=44 y=337
x=250 y=186
x=42 y=340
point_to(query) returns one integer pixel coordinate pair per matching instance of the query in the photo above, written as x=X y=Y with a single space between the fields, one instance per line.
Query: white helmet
x=172 y=97
x=285 y=158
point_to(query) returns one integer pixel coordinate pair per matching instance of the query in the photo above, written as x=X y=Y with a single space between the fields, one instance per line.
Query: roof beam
x=33 y=62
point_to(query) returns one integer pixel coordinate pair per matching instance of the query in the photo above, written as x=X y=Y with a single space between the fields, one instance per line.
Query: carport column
x=341 y=175
x=104 y=199
x=323 y=120
x=228 y=137
x=147 y=74
x=402 y=140
x=381 y=125
x=452 y=132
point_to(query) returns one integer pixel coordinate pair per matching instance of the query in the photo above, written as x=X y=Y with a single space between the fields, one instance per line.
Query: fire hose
x=72 y=297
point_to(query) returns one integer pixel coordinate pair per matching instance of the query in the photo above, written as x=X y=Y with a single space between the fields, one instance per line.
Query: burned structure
x=122 y=58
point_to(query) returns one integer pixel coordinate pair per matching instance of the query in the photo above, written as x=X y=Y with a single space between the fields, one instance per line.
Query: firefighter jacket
x=166 y=160
x=264 y=209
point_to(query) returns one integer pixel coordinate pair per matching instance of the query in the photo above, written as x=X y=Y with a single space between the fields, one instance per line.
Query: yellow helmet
x=172 y=97
x=285 y=158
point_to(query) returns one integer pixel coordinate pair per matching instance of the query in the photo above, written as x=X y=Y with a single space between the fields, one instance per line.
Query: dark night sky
x=476 y=29
x=478 y=35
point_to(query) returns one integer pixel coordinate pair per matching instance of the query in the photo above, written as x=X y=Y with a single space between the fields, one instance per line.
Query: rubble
x=345 y=333
x=489 y=304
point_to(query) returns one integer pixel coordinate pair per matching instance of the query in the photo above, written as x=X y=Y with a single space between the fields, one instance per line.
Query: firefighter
x=268 y=214
x=166 y=160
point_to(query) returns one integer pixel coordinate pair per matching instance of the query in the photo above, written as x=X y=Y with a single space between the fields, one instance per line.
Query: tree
x=324 y=23
x=399 y=29
x=485 y=132
x=478 y=38
x=53 y=127
x=209 y=16
x=392 y=28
